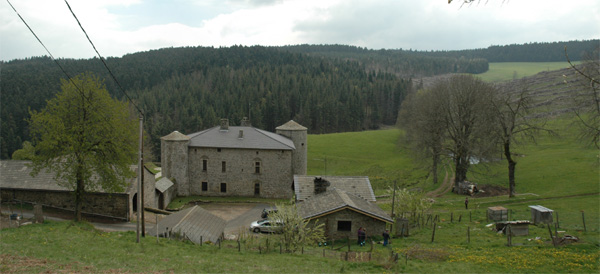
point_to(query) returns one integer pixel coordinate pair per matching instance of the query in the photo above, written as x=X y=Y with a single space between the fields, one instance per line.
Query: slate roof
x=15 y=174
x=357 y=185
x=253 y=138
x=163 y=184
x=334 y=200
x=291 y=125
x=197 y=223
x=175 y=136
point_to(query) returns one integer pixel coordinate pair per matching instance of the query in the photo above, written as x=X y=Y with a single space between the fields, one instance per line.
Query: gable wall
x=373 y=226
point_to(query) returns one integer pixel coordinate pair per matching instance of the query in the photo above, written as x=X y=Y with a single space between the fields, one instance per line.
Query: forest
x=327 y=88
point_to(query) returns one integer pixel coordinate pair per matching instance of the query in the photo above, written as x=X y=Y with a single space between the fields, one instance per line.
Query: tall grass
x=515 y=70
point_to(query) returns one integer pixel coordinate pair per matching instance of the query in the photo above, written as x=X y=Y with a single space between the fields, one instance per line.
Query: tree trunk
x=79 y=191
x=434 y=168
x=511 y=169
x=461 y=168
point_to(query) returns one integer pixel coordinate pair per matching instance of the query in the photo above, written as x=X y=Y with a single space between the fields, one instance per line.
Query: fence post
x=156 y=215
x=201 y=240
x=468 y=234
x=348 y=240
x=433 y=233
x=583 y=218
x=557 y=223
x=460 y=218
x=239 y=246
x=452 y=217
x=470 y=220
x=551 y=237
x=508 y=235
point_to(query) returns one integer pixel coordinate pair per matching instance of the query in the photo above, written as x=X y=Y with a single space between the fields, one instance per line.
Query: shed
x=197 y=224
x=517 y=228
x=540 y=214
x=497 y=213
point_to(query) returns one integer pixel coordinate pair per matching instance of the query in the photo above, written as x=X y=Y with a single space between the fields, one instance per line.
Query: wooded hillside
x=327 y=88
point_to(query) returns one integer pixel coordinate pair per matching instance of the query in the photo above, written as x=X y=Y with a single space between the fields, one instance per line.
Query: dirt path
x=444 y=188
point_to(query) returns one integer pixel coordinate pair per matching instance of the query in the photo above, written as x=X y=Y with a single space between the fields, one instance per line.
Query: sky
x=119 y=27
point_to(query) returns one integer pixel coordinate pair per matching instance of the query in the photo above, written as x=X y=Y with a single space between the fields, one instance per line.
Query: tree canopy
x=85 y=137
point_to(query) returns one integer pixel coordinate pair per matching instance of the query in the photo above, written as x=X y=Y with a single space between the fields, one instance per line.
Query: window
x=257 y=167
x=223 y=187
x=204 y=165
x=204 y=186
x=223 y=166
x=257 y=189
x=344 y=226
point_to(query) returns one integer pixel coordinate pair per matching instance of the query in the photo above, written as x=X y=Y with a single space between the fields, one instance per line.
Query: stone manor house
x=235 y=160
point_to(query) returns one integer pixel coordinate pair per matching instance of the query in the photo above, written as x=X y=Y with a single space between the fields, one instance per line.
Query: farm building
x=304 y=186
x=235 y=160
x=541 y=215
x=497 y=213
x=16 y=184
x=344 y=213
x=194 y=224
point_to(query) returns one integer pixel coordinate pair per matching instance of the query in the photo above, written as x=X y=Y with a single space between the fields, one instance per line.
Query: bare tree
x=512 y=106
x=424 y=127
x=465 y=107
x=587 y=99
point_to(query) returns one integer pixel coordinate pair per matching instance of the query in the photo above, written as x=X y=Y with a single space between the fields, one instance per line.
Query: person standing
x=386 y=237
x=466 y=202
x=360 y=234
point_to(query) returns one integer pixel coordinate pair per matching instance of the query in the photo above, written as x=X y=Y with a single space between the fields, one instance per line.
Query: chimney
x=245 y=122
x=241 y=135
x=321 y=185
x=224 y=124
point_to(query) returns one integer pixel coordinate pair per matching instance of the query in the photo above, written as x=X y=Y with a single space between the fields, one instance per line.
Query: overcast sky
x=118 y=27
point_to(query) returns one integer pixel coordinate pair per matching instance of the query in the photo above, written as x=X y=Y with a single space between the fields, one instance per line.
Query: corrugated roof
x=175 y=136
x=196 y=223
x=540 y=208
x=334 y=200
x=163 y=184
x=357 y=185
x=291 y=125
x=251 y=138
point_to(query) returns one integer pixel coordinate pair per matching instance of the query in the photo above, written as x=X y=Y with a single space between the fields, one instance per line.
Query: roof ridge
x=264 y=132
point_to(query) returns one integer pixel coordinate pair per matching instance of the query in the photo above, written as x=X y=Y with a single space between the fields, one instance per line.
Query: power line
x=102 y=59
x=48 y=51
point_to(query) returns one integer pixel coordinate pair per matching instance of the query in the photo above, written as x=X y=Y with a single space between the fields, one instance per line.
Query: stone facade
x=345 y=223
x=239 y=175
x=235 y=161
x=115 y=205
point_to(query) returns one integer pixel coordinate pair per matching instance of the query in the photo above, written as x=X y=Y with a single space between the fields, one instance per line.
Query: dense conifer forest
x=327 y=88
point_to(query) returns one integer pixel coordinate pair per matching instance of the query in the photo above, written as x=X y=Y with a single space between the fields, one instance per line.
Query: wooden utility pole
x=139 y=186
x=393 y=201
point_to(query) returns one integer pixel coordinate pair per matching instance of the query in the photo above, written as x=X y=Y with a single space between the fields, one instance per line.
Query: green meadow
x=515 y=70
x=558 y=171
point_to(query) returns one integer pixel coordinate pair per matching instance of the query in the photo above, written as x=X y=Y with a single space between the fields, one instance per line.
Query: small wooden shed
x=541 y=215
x=517 y=228
x=497 y=214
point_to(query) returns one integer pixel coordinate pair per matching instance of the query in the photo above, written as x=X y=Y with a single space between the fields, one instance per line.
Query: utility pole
x=394 y=199
x=139 y=186
x=142 y=179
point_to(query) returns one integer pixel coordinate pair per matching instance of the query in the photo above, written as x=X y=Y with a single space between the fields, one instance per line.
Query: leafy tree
x=26 y=153
x=408 y=202
x=296 y=232
x=85 y=137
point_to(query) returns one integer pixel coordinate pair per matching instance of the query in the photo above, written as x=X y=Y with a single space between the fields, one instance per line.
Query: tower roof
x=291 y=125
x=175 y=136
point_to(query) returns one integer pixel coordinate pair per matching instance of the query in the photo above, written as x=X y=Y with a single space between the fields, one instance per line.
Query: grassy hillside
x=515 y=70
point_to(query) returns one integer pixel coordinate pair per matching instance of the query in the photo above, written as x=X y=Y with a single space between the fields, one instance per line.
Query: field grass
x=515 y=70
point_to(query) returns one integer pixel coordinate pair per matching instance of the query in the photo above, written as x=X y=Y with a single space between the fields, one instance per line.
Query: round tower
x=174 y=160
x=298 y=135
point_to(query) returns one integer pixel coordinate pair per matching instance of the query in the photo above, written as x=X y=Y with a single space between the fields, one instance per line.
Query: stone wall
x=116 y=205
x=240 y=177
x=374 y=227
x=174 y=155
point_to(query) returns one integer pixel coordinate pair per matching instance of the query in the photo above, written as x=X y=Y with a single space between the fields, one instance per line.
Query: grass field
x=559 y=172
x=514 y=70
